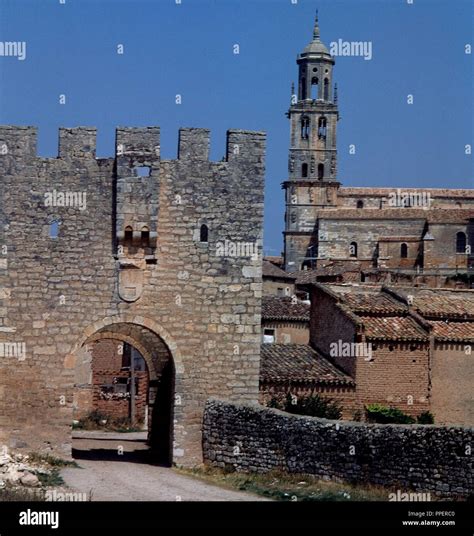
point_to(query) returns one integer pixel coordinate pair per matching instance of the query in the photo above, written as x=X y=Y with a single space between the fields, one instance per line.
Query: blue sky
x=187 y=49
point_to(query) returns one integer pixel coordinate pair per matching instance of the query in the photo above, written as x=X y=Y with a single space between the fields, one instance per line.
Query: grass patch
x=281 y=486
x=51 y=479
x=96 y=420
x=52 y=461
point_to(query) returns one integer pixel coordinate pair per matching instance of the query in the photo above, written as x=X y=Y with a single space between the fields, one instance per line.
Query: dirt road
x=110 y=475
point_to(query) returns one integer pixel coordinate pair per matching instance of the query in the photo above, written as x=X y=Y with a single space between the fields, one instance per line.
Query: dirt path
x=111 y=476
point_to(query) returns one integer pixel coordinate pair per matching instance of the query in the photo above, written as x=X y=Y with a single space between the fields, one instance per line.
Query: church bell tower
x=312 y=165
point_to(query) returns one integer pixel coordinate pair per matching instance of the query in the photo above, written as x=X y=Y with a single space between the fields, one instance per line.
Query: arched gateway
x=165 y=371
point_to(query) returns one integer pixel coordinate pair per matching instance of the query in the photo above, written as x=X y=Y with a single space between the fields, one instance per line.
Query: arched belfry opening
x=125 y=376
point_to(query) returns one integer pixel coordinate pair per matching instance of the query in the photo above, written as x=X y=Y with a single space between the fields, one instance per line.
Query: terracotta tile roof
x=384 y=312
x=367 y=299
x=283 y=308
x=298 y=363
x=277 y=260
x=444 y=306
x=270 y=270
x=393 y=328
x=453 y=331
x=373 y=303
x=442 y=303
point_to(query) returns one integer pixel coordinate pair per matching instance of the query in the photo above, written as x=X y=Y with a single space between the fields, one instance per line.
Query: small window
x=204 y=234
x=314 y=87
x=326 y=89
x=403 y=251
x=353 y=249
x=143 y=171
x=322 y=126
x=128 y=238
x=360 y=204
x=268 y=336
x=280 y=291
x=304 y=170
x=460 y=242
x=54 y=229
x=320 y=171
x=305 y=126
x=303 y=88
x=145 y=237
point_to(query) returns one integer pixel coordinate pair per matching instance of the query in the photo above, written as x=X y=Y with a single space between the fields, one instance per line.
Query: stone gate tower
x=164 y=255
x=312 y=164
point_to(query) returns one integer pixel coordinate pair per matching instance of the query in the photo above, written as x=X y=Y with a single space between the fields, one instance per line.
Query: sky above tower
x=407 y=110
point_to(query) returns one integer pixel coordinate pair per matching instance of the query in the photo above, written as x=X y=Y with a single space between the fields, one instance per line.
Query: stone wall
x=255 y=439
x=162 y=289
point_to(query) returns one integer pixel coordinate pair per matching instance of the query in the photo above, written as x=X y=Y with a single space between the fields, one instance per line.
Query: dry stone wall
x=251 y=438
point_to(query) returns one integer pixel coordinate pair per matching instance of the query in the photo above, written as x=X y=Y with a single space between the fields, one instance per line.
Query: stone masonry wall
x=55 y=293
x=250 y=438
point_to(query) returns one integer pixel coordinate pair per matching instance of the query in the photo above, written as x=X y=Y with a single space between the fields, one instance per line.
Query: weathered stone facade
x=142 y=263
x=423 y=458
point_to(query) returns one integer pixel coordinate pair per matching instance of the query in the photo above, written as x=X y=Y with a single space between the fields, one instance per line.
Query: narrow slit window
x=314 y=87
x=54 y=229
x=145 y=237
x=460 y=242
x=320 y=171
x=326 y=89
x=303 y=88
x=403 y=251
x=304 y=170
x=353 y=249
x=128 y=238
x=204 y=233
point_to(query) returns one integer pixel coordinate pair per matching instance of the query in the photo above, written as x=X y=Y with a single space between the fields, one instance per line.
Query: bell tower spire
x=312 y=184
x=316 y=35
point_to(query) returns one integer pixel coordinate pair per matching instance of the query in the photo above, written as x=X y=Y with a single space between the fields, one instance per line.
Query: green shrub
x=425 y=418
x=387 y=415
x=274 y=403
x=313 y=406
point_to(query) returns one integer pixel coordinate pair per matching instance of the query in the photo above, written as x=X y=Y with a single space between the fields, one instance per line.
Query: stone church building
x=423 y=235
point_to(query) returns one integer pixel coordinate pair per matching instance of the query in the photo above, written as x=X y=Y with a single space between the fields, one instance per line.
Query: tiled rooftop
x=284 y=308
x=393 y=328
x=405 y=313
x=270 y=270
x=298 y=362
x=453 y=331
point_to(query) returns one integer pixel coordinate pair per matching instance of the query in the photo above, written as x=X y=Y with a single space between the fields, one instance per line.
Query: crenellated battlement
x=77 y=142
x=19 y=142
x=141 y=144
